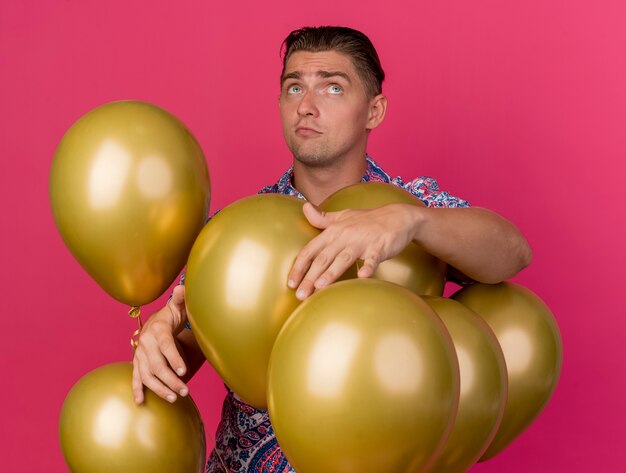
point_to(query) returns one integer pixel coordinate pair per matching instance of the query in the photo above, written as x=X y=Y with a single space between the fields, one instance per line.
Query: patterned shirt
x=245 y=438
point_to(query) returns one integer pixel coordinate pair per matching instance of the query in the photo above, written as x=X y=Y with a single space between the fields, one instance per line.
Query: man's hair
x=344 y=40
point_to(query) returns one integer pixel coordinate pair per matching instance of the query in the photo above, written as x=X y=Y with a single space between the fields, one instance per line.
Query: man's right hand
x=158 y=363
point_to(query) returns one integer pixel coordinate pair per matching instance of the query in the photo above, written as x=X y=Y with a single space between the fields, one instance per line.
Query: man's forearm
x=477 y=242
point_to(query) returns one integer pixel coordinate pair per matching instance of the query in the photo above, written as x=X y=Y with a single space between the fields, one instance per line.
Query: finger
x=370 y=264
x=304 y=259
x=172 y=355
x=305 y=289
x=148 y=378
x=341 y=263
x=162 y=381
x=137 y=384
x=317 y=218
x=158 y=388
x=178 y=296
x=171 y=380
x=320 y=264
x=155 y=373
x=176 y=305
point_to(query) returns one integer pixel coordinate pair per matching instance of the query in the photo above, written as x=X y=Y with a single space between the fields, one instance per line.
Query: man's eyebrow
x=324 y=74
x=291 y=75
x=330 y=74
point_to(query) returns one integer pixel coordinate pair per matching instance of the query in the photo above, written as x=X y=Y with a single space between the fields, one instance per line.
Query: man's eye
x=334 y=89
x=294 y=89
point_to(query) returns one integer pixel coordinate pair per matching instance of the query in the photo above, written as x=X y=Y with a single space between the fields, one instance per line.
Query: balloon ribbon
x=135 y=313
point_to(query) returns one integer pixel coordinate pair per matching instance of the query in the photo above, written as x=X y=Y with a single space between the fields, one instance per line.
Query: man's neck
x=317 y=183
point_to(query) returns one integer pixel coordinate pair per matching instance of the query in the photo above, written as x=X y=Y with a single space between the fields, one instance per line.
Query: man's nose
x=308 y=105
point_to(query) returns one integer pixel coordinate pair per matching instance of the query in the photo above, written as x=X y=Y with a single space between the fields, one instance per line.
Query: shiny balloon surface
x=363 y=378
x=531 y=343
x=236 y=286
x=413 y=268
x=102 y=430
x=129 y=190
x=483 y=386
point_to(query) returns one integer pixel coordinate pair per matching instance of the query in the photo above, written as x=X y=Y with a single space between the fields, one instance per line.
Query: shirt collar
x=373 y=173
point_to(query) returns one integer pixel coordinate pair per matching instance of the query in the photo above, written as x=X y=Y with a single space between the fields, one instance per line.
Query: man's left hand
x=372 y=236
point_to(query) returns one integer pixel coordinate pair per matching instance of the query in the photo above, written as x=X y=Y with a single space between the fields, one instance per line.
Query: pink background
x=517 y=106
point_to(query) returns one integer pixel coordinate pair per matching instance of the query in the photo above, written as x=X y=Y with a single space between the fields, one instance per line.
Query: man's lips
x=306 y=131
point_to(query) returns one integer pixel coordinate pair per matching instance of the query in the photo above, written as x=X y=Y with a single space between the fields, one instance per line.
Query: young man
x=331 y=98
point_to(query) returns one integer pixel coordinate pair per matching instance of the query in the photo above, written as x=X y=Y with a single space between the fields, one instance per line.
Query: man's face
x=324 y=108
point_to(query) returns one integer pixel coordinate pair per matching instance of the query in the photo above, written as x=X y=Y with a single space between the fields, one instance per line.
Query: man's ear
x=377 y=110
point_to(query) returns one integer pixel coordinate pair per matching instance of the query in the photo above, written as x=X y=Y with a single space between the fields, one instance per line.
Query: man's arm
x=477 y=242
x=167 y=355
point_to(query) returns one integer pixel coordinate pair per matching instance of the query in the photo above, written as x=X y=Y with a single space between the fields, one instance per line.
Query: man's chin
x=313 y=160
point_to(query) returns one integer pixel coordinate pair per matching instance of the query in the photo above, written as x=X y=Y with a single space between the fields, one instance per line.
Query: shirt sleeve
x=427 y=190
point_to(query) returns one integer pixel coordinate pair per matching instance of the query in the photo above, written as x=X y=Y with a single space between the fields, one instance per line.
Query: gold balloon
x=236 y=287
x=129 y=189
x=413 y=268
x=483 y=386
x=533 y=352
x=102 y=430
x=363 y=378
